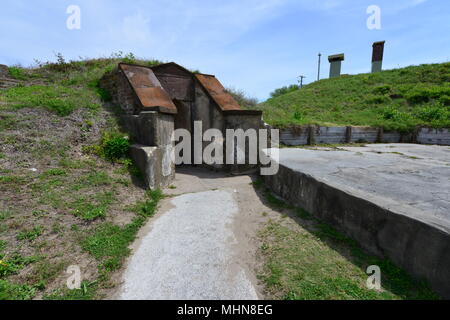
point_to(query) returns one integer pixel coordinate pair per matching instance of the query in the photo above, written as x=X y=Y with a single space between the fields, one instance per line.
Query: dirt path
x=202 y=244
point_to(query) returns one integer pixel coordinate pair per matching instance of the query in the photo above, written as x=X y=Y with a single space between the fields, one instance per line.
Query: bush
x=102 y=93
x=432 y=113
x=384 y=89
x=17 y=73
x=242 y=99
x=115 y=146
x=298 y=115
x=378 y=100
x=423 y=95
x=445 y=100
x=284 y=90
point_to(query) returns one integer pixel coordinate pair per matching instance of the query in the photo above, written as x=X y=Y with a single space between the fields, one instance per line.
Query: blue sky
x=252 y=45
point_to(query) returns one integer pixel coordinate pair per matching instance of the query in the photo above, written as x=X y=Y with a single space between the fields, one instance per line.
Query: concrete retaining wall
x=308 y=135
x=419 y=248
x=434 y=136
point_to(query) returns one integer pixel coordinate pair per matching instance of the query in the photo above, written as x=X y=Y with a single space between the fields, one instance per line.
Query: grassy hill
x=70 y=195
x=394 y=99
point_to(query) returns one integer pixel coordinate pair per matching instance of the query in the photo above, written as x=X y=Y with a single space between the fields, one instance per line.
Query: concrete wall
x=121 y=92
x=306 y=135
x=244 y=122
x=419 y=248
x=155 y=149
x=434 y=136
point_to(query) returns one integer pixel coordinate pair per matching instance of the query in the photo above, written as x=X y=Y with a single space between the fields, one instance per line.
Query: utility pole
x=318 y=72
x=301 y=81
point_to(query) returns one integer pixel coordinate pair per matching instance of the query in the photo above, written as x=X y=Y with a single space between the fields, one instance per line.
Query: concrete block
x=155 y=164
x=150 y=128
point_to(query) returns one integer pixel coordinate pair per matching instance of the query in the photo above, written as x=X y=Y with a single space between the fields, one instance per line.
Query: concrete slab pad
x=394 y=199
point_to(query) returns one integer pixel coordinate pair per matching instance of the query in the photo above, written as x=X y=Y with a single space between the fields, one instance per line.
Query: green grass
x=306 y=259
x=92 y=207
x=60 y=99
x=31 y=234
x=18 y=73
x=399 y=99
x=87 y=291
x=109 y=243
x=326 y=265
x=12 y=291
x=67 y=183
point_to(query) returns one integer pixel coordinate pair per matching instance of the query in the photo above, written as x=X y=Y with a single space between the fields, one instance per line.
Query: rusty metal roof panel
x=217 y=92
x=147 y=87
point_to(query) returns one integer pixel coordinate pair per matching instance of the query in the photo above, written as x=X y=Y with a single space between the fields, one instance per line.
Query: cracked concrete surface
x=409 y=178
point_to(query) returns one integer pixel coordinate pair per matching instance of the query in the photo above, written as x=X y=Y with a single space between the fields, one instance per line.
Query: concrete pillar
x=335 y=64
x=377 y=56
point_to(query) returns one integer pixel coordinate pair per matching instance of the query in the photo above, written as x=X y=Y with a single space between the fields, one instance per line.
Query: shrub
x=102 y=93
x=422 y=95
x=378 y=100
x=17 y=73
x=445 y=100
x=391 y=113
x=242 y=99
x=432 y=113
x=115 y=146
x=384 y=89
x=298 y=115
x=284 y=90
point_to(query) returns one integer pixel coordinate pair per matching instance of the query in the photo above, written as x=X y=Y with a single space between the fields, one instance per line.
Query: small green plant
x=14 y=263
x=90 y=209
x=390 y=113
x=115 y=146
x=12 y=291
x=17 y=73
x=31 y=235
x=55 y=172
x=129 y=58
x=86 y=292
x=298 y=115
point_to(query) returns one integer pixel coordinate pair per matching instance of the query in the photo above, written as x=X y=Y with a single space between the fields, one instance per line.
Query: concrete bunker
x=157 y=100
